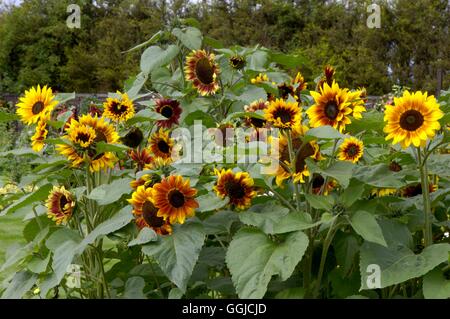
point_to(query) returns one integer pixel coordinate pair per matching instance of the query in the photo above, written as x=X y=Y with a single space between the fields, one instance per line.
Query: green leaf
x=341 y=171
x=19 y=152
x=253 y=258
x=252 y=93
x=40 y=194
x=102 y=147
x=436 y=285
x=220 y=222
x=145 y=115
x=190 y=37
x=352 y=193
x=109 y=193
x=346 y=247
x=134 y=288
x=177 y=254
x=257 y=61
x=38 y=265
x=291 y=293
x=6 y=116
x=320 y=202
x=380 y=176
x=323 y=132
x=137 y=85
x=175 y=293
x=367 y=227
x=145 y=236
x=21 y=283
x=398 y=263
x=155 y=57
x=152 y=40
x=210 y=202
x=290 y=61
x=64 y=97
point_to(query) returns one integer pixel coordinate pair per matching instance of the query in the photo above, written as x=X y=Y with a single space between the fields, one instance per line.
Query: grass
x=11 y=227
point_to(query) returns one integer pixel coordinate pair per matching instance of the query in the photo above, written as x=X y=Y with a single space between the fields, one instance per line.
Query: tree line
x=411 y=47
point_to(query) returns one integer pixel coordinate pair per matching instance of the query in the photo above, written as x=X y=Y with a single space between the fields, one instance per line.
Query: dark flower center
x=237 y=62
x=284 y=115
x=304 y=153
x=284 y=90
x=83 y=137
x=149 y=213
x=331 y=110
x=204 y=71
x=395 y=167
x=352 y=150
x=411 y=120
x=163 y=147
x=100 y=137
x=167 y=111
x=176 y=198
x=62 y=202
x=133 y=138
x=117 y=108
x=317 y=181
x=37 y=107
x=258 y=123
x=235 y=190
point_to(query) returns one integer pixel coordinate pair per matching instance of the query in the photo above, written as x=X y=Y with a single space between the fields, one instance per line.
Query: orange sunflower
x=203 y=71
x=174 y=198
x=170 y=109
x=37 y=140
x=238 y=187
x=146 y=213
x=161 y=144
x=351 y=150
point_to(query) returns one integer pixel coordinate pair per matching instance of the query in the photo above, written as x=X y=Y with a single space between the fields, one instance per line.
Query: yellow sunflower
x=351 y=150
x=302 y=150
x=146 y=213
x=261 y=77
x=174 y=198
x=202 y=70
x=413 y=119
x=104 y=132
x=238 y=187
x=254 y=107
x=161 y=144
x=81 y=135
x=333 y=106
x=37 y=140
x=36 y=104
x=60 y=204
x=147 y=180
x=283 y=114
x=118 y=110
x=381 y=192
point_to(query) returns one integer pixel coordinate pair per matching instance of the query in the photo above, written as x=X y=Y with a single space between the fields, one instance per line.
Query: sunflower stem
x=293 y=169
x=322 y=189
x=427 y=233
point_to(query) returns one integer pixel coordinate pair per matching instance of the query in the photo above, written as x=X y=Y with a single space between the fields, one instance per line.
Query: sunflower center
x=167 y=111
x=304 y=153
x=331 y=110
x=83 y=137
x=258 y=123
x=204 y=71
x=411 y=120
x=37 y=107
x=318 y=181
x=235 y=190
x=117 y=108
x=100 y=137
x=163 y=147
x=62 y=202
x=176 y=198
x=283 y=115
x=149 y=213
x=352 y=150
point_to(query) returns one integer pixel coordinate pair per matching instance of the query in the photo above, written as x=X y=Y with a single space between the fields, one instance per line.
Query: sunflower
x=261 y=77
x=147 y=180
x=238 y=187
x=328 y=76
x=283 y=114
x=104 y=132
x=159 y=164
x=141 y=157
x=133 y=138
x=299 y=85
x=202 y=70
x=381 y=192
x=118 y=109
x=170 y=109
x=175 y=199
x=36 y=104
x=413 y=119
x=416 y=189
x=161 y=144
x=333 y=106
x=37 y=140
x=60 y=204
x=318 y=181
x=81 y=135
x=302 y=151
x=254 y=107
x=237 y=62
x=146 y=213
x=351 y=150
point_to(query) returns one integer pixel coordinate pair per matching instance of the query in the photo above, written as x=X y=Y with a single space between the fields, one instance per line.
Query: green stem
x=282 y=199
x=427 y=232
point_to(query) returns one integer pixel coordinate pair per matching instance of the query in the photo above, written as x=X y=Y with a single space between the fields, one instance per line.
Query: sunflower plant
x=222 y=173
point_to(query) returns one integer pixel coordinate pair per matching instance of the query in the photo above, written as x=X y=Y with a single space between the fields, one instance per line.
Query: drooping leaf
x=367 y=227
x=40 y=194
x=154 y=57
x=435 y=285
x=145 y=236
x=21 y=283
x=190 y=37
x=109 y=193
x=253 y=258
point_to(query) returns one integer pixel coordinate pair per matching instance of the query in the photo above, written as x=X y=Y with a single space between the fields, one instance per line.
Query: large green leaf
x=253 y=258
x=21 y=283
x=367 y=227
x=210 y=201
x=320 y=202
x=145 y=236
x=220 y=222
x=177 y=254
x=323 y=132
x=379 y=176
x=398 y=263
x=6 y=116
x=110 y=193
x=341 y=171
x=40 y=194
x=154 y=57
x=190 y=37
x=436 y=285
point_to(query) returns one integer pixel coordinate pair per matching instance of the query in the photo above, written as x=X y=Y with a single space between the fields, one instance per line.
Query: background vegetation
x=412 y=47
